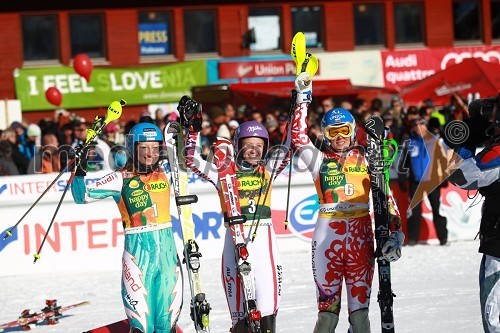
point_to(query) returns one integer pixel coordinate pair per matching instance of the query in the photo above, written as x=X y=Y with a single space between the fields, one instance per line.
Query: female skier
x=254 y=169
x=342 y=245
x=151 y=288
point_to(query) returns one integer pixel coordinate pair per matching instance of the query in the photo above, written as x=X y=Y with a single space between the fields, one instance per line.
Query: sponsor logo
x=137 y=192
x=133 y=184
x=452 y=58
x=139 y=201
x=249 y=183
x=303 y=217
x=355 y=169
x=105 y=180
x=244 y=70
x=333 y=169
x=445 y=90
x=130 y=279
x=229 y=281
x=156 y=186
x=3 y=188
x=254 y=128
x=131 y=301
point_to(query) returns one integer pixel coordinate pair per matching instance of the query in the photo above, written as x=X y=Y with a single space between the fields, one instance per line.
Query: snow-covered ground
x=436 y=287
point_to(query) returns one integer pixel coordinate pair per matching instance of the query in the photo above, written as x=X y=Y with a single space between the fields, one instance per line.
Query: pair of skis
x=26 y=319
x=174 y=141
x=380 y=154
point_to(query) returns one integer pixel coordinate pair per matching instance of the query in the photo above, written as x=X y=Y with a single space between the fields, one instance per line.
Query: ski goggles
x=332 y=132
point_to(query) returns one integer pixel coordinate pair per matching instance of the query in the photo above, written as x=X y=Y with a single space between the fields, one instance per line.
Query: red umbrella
x=472 y=75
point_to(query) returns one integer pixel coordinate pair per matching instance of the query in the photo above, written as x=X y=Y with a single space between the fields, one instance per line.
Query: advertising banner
x=90 y=237
x=363 y=68
x=153 y=39
x=248 y=69
x=140 y=85
x=403 y=67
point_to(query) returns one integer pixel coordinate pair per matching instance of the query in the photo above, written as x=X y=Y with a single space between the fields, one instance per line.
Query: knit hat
x=233 y=124
x=33 y=130
x=15 y=125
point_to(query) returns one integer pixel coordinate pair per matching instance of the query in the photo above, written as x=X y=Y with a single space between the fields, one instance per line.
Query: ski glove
x=190 y=114
x=391 y=250
x=303 y=87
x=81 y=163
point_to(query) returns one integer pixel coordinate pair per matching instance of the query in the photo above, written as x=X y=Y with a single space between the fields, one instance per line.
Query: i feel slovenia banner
x=139 y=85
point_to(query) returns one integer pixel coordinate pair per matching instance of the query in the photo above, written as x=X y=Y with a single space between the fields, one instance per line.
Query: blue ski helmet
x=337 y=117
x=250 y=129
x=143 y=132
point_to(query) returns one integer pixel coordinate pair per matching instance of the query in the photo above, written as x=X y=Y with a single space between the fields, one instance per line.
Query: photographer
x=482 y=172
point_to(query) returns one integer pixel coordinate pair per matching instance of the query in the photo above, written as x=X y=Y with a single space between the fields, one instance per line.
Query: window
x=267 y=28
x=495 y=19
x=40 y=38
x=409 y=23
x=199 y=31
x=155 y=33
x=369 y=24
x=309 y=20
x=87 y=35
x=466 y=20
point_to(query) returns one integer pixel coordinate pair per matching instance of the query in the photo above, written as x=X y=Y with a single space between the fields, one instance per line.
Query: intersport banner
x=137 y=85
x=403 y=67
x=90 y=237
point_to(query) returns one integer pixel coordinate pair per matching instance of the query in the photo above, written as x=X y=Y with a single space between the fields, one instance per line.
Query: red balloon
x=54 y=96
x=83 y=65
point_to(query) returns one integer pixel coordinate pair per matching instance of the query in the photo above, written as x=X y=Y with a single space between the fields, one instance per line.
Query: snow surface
x=437 y=291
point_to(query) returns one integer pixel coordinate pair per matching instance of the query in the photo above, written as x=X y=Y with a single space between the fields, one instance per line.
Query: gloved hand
x=81 y=163
x=303 y=87
x=391 y=250
x=190 y=114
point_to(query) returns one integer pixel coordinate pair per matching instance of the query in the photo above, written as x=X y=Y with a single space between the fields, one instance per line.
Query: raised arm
x=196 y=163
x=476 y=172
x=108 y=186
x=308 y=153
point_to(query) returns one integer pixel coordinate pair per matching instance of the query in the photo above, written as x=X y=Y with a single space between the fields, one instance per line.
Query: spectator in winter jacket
x=426 y=160
x=7 y=166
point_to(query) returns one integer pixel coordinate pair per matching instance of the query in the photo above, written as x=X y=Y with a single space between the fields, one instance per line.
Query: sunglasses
x=332 y=132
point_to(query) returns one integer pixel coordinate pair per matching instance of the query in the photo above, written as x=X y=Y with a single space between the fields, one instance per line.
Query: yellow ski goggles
x=344 y=130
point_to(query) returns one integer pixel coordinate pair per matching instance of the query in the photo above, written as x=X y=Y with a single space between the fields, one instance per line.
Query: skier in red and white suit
x=254 y=170
x=342 y=245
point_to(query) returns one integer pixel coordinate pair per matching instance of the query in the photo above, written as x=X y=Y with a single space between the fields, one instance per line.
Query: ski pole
x=37 y=254
x=113 y=112
x=288 y=190
x=305 y=62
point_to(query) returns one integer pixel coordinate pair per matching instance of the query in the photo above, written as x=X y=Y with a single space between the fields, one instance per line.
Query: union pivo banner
x=139 y=85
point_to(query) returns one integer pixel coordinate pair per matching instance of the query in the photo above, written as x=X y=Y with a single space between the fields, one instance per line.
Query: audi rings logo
x=456 y=58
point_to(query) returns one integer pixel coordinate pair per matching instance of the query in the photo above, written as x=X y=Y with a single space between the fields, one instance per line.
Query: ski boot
x=326 y=323
x=268 y=324
x=360 y=323
x=240 y=327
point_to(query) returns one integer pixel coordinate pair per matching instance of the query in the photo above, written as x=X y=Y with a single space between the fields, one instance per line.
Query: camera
x=487 y=108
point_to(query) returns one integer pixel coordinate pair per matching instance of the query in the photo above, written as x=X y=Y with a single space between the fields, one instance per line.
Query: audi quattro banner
x=141 y=85
x=403 y=67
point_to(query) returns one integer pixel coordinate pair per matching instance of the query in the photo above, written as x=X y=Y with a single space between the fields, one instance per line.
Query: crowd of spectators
x=36 y=148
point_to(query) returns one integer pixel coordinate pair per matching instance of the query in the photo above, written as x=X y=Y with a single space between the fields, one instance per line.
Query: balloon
x=54 y=96
x=83 y=65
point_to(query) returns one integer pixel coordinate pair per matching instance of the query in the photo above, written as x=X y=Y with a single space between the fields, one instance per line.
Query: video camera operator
x=482 y=172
